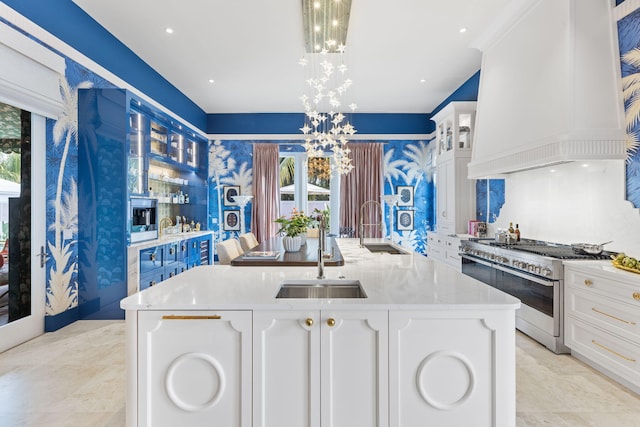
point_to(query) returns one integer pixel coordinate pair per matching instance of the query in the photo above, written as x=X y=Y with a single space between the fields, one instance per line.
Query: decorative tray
x=261 y=255
x=622 y=267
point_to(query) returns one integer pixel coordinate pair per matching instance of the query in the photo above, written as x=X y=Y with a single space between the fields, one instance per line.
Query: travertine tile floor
x=76 y=377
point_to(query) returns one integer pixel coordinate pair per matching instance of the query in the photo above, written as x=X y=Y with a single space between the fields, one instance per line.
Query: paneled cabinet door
x=194 y=368
x=451 y=369
x=445 y=196
x=314 y=369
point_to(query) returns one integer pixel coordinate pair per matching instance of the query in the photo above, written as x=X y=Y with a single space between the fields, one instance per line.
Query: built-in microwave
x=143 y=221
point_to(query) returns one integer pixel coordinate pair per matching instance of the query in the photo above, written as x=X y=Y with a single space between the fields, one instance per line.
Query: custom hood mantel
x=549 y=88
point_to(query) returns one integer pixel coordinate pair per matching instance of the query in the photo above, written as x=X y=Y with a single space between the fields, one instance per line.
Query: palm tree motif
x=408 y=239
x=392 y=168
x=420 y=162
x=631 y=92
x=243 y=178
x=220 y=164
x=61 y=295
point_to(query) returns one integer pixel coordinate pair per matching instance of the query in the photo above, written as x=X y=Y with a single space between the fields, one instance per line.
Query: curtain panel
x=362 y=184
x=266 y=190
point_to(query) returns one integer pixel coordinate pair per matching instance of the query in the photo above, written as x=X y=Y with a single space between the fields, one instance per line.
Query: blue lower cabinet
x=172 y=269
x=172 y=252
x=205 y=255
x=151 y=259
x=152 y=278
x=183 y=250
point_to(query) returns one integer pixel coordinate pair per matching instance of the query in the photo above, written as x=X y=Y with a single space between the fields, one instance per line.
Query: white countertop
x=390 y=281
x=604 y=266
x=169 y=238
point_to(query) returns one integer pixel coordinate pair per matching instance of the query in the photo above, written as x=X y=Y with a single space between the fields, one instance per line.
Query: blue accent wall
x=65 y=20
x=290 y=123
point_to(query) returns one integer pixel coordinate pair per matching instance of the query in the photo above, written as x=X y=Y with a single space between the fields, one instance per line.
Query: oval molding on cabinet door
x=183 y=362
x=429 y=364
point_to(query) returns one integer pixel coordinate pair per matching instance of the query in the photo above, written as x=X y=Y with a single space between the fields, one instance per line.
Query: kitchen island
x=427 y=346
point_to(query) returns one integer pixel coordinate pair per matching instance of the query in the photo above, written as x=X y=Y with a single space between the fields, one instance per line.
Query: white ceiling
x=251 y=49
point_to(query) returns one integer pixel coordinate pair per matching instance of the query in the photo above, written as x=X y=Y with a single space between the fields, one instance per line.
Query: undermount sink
x=321 y=288
x=387 y=248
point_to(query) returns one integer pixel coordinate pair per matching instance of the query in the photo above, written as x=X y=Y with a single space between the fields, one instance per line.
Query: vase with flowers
x=293 y=229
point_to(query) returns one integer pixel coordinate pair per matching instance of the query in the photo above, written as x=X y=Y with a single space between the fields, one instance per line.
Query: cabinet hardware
x=309 y=322
x=613 y=317
x=588 y=282
x=171 y=274
x=594 y=342
x=152 y=257
x=331 y=321
x=174 y=317
x=152 y=283
x=172 y=250
x=636 y=296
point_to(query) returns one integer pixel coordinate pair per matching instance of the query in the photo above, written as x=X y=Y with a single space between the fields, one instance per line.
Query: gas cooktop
x=548 y=249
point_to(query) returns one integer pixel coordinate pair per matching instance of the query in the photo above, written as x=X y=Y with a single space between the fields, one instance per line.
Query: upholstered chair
x=248 y=241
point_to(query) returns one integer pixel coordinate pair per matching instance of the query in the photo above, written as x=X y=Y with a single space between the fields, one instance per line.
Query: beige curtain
x=362 y=184
x=266 y=190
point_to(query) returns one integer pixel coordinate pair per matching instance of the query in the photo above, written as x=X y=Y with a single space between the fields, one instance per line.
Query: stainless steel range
x=532 y=271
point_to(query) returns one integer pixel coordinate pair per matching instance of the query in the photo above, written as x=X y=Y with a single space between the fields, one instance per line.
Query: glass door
x=22 y=234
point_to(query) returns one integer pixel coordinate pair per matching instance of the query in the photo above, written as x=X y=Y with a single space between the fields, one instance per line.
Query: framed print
x=404 y=220
x=406 y=195
x=229 y=192
x=231 y=221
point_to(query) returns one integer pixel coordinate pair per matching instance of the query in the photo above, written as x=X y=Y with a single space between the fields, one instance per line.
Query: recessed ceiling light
x=585 y=165
x=423 y=81
x=463 y=30
x=211 y=80
x=168 y=30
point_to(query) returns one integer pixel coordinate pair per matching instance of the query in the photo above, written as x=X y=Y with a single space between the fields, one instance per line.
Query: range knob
x=546 y=272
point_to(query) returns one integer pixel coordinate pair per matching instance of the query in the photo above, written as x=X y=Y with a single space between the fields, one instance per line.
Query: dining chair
x=248 y=241
x=228 y=250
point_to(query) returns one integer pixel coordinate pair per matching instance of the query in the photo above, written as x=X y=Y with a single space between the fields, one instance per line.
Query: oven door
x=540 y=297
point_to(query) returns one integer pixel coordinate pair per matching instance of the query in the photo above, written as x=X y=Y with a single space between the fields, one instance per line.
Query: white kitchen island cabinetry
x=445 y=365
x=196 y=367
x=427 y=346
x=320 y=368
x=602 y=319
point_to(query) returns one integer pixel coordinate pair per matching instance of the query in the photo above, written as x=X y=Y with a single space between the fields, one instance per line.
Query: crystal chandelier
x=327 y=126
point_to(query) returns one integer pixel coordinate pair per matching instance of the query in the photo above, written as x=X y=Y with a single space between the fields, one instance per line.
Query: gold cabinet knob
x=309 y=321
x=588 y=282
x=636 y=296
x=331 y=321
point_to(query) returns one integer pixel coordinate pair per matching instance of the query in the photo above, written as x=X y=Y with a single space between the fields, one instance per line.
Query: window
x=308 y=184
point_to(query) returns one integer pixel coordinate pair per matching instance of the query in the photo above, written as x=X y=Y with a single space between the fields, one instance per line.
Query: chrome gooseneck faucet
x=322 y=243
x=362 y=223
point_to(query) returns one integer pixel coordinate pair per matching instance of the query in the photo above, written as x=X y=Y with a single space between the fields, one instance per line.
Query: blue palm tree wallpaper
x=629 y=44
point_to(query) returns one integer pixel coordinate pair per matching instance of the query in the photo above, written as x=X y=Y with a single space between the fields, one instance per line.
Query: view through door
x=20 y=319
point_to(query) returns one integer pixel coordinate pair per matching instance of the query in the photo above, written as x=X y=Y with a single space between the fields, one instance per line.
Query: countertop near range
x=409 y=281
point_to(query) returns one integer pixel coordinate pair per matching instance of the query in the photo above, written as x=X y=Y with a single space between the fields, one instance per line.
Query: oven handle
x=539 y=280
x=478 y=260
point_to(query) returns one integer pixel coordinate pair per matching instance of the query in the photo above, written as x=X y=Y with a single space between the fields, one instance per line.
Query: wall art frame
x=405 y=220
x=228 y=193
x=231 y=220
x=406 y=195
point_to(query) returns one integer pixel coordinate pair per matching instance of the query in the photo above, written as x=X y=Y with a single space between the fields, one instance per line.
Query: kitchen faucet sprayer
x=362 y=223
x=322 y=242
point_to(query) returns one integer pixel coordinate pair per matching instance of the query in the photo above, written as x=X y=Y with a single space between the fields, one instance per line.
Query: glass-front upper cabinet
x=454 y=127
x=192 y=153
x=159 y=139
x=136 y=173
x=176 y=147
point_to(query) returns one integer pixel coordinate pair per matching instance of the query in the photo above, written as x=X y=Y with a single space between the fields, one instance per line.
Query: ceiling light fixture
x=327 y=126
x=168 y=30
x=463 y=30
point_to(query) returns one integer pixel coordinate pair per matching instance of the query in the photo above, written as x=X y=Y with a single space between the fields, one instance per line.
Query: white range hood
x=549 y=88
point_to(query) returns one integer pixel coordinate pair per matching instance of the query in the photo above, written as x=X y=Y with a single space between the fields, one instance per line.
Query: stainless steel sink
x=387 y=248
x=321 y=288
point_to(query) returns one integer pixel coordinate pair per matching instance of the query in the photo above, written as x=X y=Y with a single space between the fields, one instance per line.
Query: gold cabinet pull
x=331 y=322
x=152 y=257
x=588 y=282
x=309 y=322
x=636 y=296
x=612 y=316
x=174 y=317
x=612 y=351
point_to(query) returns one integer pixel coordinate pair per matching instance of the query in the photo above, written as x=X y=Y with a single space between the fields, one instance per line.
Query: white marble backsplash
x=573 y=202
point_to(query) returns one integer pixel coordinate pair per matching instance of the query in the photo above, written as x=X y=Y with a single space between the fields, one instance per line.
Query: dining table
x=271 y=253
